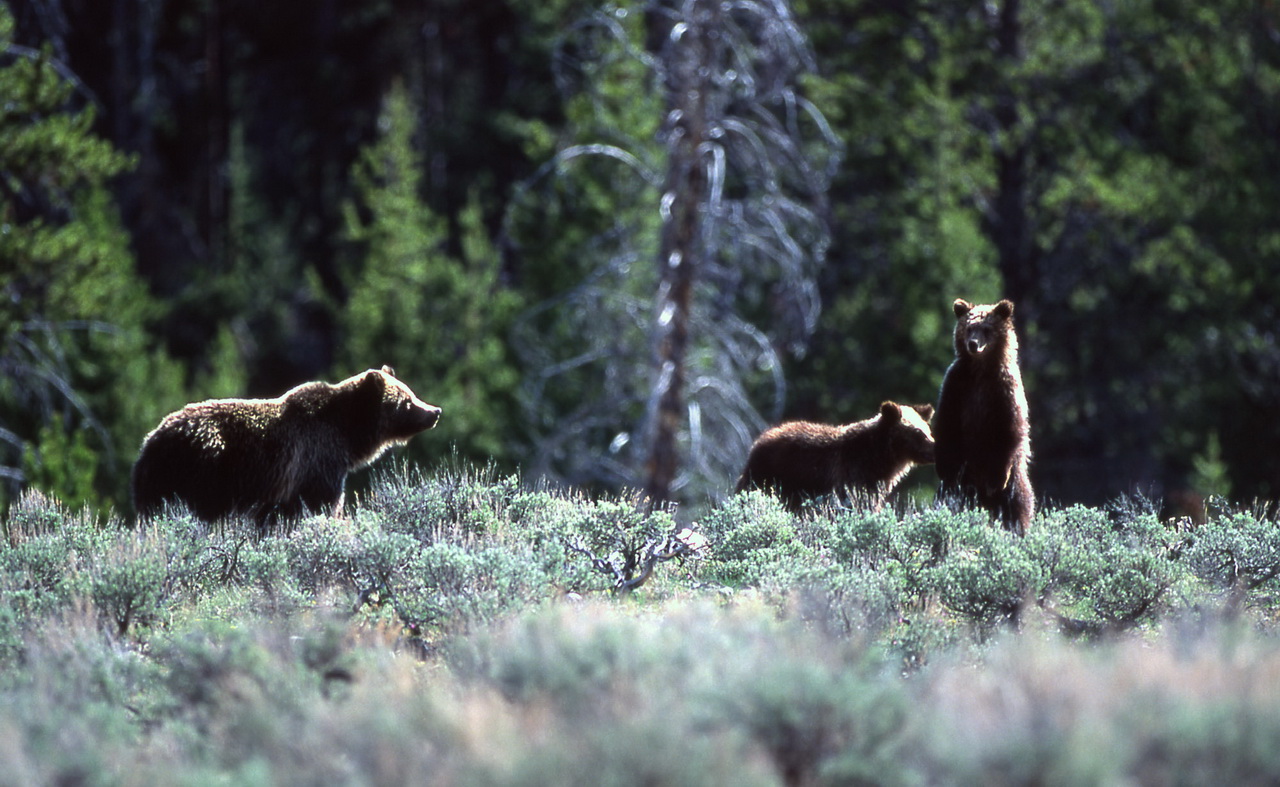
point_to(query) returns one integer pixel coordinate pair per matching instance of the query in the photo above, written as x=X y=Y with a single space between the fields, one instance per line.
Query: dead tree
x=683 y=378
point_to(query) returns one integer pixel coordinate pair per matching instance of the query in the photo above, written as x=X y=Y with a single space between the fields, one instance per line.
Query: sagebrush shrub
x=1229 y=741
x=453 y=588
x=34 y=514
x=572 y=656
x=129 y=583
x=405 y=502
x=813 y=719
x=987 y=574
x=754 y=539
x=1236 y=552
x=441 y=633
x=864 y=537
x=846 y=600
x=1105 y=570
x=35 y=576
x=460 y=498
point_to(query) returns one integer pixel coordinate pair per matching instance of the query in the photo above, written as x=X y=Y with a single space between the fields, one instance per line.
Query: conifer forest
x=616 y=241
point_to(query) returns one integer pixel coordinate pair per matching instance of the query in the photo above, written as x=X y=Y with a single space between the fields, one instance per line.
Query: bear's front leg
x=321 y=495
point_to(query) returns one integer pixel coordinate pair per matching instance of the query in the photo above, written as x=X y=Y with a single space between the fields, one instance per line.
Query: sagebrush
x=469 y=628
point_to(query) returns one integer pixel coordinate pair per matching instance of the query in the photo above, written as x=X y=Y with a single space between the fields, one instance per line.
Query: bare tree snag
x=682 y=248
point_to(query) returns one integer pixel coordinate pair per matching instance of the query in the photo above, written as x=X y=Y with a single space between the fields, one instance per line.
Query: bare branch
x=637 y=564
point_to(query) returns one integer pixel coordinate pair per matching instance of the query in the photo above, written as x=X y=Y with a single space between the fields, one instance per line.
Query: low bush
x=1106 y=571
x=987 y=574
x=754 y=539
x=466 y=629
x=1237 y=553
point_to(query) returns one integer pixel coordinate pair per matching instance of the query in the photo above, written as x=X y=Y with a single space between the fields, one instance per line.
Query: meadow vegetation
x=466 y=628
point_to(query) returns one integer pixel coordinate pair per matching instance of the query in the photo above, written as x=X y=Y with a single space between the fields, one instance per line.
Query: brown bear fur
x=273 y=458
x=799 y=460
x=981 y=428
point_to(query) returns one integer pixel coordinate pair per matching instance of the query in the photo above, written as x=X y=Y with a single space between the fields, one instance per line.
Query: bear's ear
x=890 y=412
x=962 y=307
x=925 y=411
x=361 y=393
x=1003 y=309
x=388 y=370
x=371 y=384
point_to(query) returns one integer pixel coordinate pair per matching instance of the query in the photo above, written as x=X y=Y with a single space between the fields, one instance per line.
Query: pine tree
x=438 y=319
x=78 y=383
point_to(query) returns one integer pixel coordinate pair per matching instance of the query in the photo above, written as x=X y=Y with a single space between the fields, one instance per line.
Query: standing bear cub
x=799 y=460
x=275 y=458
x=984 y=441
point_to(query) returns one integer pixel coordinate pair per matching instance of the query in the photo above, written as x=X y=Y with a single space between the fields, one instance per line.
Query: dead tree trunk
x=682 y=245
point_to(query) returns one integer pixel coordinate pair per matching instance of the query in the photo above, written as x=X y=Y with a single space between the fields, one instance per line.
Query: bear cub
x=799 y=460
x=275 y=458
x=981 y=428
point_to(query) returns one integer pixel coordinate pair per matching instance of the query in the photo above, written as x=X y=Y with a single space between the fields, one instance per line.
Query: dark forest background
x=615 y=241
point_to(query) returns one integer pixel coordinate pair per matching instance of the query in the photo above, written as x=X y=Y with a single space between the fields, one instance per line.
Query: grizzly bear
x=800 y=460
x=981 y=428
x=270 y=459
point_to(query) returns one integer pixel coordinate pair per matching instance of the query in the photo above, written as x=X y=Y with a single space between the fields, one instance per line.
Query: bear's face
x=979 y=329
x=909 y=434
x=403 y=414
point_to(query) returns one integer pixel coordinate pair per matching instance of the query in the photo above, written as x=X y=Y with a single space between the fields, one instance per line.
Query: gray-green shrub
x=466 y=633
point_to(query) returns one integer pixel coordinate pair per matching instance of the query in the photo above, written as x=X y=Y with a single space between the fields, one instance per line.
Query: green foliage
x=64 y=465
x=80 y=382
x=1189 y=742
x=582 y=208
x=450 y=588
x=1238 y=553
x=549 y=657
x=1093 y=164
x=128 y=585
x=438 y=317
x=755 y=538
x=1209 y=471
x=987 y=574
x=820 y=723
x=1108 y=570
x=585 y=228
x=907 y=239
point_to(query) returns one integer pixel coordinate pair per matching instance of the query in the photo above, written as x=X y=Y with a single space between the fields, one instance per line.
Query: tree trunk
x=681 y=250
x=217 y=143
x=1010 y=226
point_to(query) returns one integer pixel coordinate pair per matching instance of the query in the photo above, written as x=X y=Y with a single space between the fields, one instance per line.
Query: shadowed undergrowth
x=466 y=628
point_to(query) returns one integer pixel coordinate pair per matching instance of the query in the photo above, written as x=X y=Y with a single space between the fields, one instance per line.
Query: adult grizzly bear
x=275 y=458
x=799 y=460
x=983 y=437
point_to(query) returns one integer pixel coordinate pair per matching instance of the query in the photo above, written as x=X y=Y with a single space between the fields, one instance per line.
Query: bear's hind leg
x=1018 y=506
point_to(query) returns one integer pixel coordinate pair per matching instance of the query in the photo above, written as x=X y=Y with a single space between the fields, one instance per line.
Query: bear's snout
x=429 y=416
x=976 y=346
x=413 y=416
